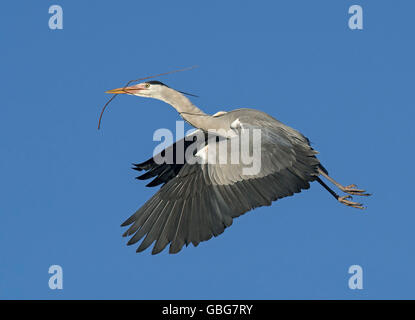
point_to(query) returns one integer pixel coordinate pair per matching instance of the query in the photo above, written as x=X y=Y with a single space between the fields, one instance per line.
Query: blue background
x=66 y=187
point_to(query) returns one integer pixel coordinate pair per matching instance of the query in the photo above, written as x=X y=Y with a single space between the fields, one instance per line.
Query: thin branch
x=141 y=79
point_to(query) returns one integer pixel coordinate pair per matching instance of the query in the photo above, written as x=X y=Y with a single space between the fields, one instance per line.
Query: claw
x=352 y=189
x=349 y=203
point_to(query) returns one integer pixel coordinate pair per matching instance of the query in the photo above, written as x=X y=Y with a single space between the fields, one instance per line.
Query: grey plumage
x=197 y=201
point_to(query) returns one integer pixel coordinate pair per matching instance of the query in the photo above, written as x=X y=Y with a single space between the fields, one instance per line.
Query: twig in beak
x=129 y=82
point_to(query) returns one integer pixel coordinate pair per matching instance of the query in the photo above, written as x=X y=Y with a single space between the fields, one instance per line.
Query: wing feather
x=198 y=201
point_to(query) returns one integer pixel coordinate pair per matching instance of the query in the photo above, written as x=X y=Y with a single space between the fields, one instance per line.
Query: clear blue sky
x=66 y=187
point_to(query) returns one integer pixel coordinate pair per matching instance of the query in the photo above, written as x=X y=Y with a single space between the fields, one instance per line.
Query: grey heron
x=199 y=200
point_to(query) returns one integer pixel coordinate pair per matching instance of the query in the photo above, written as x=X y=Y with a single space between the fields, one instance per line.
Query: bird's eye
x=147 y=85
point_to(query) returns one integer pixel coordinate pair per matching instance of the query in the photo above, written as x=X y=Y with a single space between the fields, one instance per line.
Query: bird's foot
x=345 y=201
x=353 y=190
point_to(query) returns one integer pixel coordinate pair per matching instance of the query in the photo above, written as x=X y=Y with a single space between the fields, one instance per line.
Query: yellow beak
x=118 y=91
x=129 y=90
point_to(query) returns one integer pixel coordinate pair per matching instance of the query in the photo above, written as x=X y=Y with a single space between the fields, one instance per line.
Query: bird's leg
x=344 y=199
x=350 y=189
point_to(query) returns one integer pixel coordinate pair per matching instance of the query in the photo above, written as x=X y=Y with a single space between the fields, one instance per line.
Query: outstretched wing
x=163 y=172
x=198 y=201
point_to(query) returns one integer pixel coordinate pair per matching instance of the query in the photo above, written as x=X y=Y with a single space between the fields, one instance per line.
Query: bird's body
x=198 y=200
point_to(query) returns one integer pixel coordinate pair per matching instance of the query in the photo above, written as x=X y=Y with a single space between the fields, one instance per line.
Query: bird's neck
x=187 y=110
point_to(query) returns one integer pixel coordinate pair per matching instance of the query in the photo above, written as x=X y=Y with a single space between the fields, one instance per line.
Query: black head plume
x=157 y=82
x=189 y=94
x=162 y=84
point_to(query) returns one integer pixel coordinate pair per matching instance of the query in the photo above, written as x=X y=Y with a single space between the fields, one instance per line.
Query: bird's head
x=149 y=89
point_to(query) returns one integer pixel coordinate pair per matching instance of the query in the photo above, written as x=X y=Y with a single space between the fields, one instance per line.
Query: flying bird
x=198 y=200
